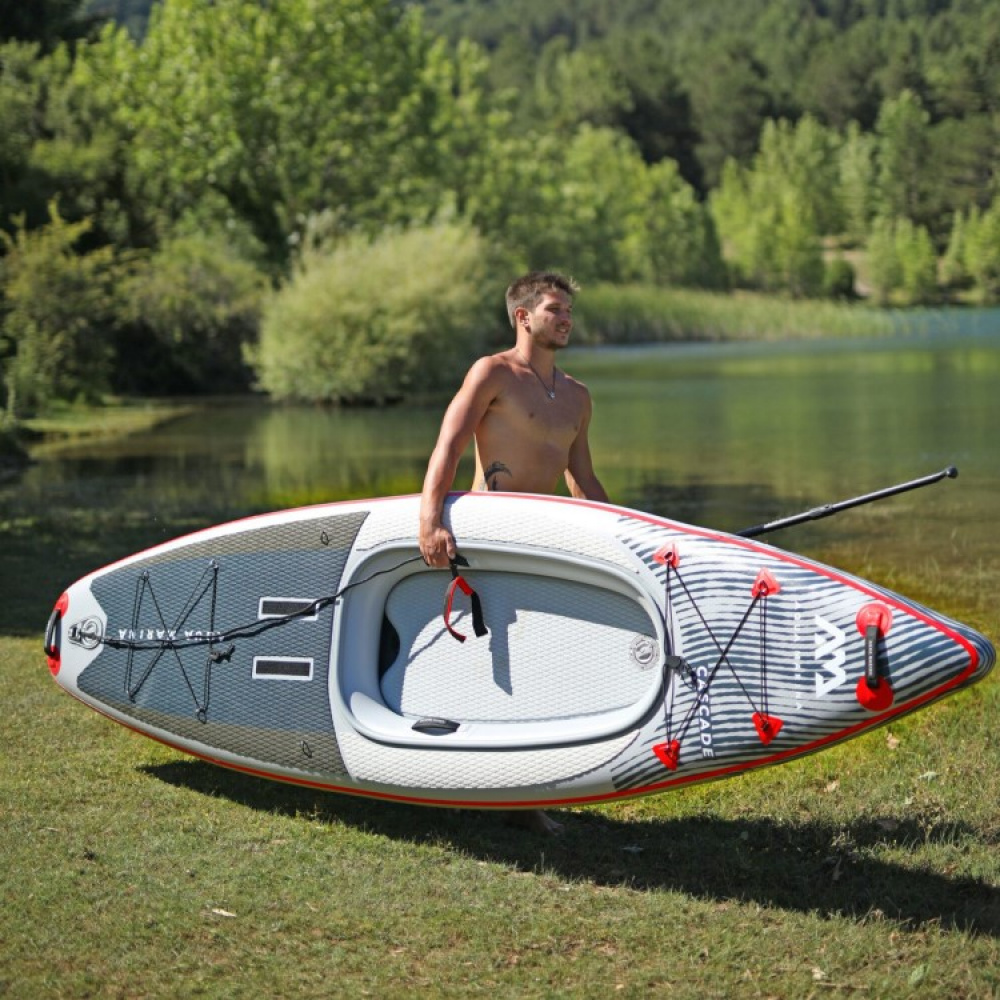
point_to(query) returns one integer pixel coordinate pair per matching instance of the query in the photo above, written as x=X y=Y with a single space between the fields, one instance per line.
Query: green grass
x=64 y=423
x=129 y=870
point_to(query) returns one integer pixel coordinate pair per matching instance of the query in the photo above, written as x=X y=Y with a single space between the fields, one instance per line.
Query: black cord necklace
x=551 y=393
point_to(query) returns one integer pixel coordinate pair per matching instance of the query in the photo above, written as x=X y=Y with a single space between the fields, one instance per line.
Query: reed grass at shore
x=631 y=314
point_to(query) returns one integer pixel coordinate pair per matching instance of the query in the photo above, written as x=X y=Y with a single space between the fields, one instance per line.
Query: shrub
x=374 y=321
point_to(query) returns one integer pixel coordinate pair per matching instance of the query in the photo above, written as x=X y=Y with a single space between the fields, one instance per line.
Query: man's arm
x=463 y=416
x=581 y=479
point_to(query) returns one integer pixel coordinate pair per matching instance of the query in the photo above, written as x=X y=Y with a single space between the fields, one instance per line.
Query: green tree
x=903 y=146
x=657 y=115
x=798 y=250
x=456 y=138
x=579 y=203
x=21 y=96
x=857 y=182
x=601 y=207
x=902 y=262
x=730 y=99
x=839 y=83
x=520 y=189
x=59 y=307
x=63 y=139
x=839 y=280
x=884 y=269
x=577 y=86
x=960 y=168
x=277 y=111
x=772 y=214
x=682 y=246
x=982 y=250
x=803 y=158
x=954 y=271
x=82 y=150
x=917 y=263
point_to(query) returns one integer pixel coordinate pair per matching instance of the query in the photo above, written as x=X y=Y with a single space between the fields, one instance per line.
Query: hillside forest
x=324 y=199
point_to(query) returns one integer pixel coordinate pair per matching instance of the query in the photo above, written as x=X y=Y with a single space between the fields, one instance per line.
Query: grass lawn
x=128 y=870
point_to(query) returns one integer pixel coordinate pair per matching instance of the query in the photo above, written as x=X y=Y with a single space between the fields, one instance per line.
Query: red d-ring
x=767 y=726
x=876 y=614
x=875 y=699
x=669 y=753
x=765 y=585
x=667 y=556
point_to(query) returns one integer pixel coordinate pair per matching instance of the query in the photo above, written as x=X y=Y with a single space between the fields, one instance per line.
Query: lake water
x=725 y=435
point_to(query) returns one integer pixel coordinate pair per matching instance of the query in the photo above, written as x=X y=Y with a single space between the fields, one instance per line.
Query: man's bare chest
x=533 y=415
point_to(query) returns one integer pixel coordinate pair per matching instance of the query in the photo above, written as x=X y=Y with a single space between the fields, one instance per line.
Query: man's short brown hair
x=527 y=291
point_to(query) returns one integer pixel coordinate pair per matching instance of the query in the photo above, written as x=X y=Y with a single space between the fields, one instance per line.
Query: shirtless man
x=528 y=419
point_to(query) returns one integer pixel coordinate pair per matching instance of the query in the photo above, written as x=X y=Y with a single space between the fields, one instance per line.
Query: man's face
x=551 y=321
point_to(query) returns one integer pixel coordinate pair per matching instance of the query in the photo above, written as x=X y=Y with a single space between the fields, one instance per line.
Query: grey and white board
x=626 y=654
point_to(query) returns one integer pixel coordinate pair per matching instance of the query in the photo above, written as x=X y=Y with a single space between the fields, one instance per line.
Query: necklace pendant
x=551 y=393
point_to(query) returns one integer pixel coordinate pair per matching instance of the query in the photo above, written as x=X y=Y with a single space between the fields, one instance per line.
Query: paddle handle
x=834 y=508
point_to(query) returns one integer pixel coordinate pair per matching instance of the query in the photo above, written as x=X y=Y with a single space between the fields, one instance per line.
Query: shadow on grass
x=809 y=867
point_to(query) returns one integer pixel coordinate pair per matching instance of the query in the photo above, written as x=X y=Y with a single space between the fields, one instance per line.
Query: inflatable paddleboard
x=577 y=652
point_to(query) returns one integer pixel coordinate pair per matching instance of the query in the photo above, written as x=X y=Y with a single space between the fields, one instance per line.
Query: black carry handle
x=458 y=582
x=51 y=632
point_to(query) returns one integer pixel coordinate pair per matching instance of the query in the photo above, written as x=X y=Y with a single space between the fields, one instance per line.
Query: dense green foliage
x=57 y=302
x=722 y=68
x=187 y=311
x=773 y=145
x=375 y=320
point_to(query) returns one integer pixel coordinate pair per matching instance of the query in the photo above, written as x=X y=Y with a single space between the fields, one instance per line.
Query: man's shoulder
x=575 y=385
x=492 y=366
x=488 y=375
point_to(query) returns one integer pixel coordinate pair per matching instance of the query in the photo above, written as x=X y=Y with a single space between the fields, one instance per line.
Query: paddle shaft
x=835 y=508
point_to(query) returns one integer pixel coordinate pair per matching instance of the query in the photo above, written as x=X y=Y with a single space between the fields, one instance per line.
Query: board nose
x=986 y=656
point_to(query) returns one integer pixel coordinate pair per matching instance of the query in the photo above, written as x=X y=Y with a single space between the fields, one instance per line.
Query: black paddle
x=834 y=508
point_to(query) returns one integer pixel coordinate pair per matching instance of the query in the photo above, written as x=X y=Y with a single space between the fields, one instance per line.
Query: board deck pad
x=556 y=649
x=624 y=653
